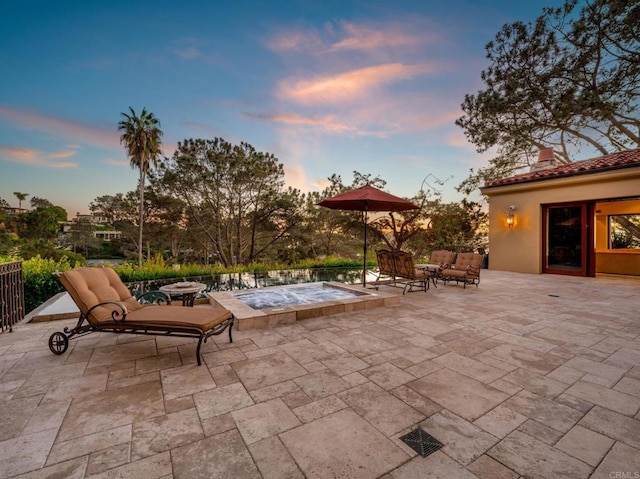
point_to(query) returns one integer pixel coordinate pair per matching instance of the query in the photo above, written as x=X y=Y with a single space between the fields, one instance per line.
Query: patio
x=533 y=376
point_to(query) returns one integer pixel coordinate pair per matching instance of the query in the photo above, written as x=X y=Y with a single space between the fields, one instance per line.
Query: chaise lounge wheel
x=58 y=343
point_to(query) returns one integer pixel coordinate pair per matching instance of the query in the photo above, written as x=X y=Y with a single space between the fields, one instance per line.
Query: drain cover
x=421 y=442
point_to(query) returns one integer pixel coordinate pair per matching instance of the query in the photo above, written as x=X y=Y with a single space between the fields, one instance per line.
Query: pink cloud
x=374 y=37
x=325 y=122
x=115 y=162
x=32 y=156
x=62 y=154
x=351 y=36
x=63 y=164
x=295 y=40
x=350 y=85
x=78 y=132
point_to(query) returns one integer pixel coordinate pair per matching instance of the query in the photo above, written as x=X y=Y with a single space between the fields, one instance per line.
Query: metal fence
x=11 y=295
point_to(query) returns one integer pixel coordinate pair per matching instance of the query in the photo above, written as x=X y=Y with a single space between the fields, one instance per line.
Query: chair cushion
x=91 y=286
x=203 y=318
x=468 y=259
x=442 y=257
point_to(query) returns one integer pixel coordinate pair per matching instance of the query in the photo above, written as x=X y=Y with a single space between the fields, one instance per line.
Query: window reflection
x=624 y=231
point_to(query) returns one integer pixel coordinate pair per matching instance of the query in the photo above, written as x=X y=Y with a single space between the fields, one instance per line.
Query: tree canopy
x=569 y=80
x=233 y=197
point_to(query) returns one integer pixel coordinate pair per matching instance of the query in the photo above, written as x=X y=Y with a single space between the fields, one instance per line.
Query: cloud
x=186 y=48
x=35 y=157
x=343 y=35
x=113 y=161
x=375 y=37
x=63 y=154
x=349 y=86
x=296 y=41
x=68 y=129
x=325 y=123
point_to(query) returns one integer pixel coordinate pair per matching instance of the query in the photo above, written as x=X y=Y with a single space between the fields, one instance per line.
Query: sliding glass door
x=566 y=236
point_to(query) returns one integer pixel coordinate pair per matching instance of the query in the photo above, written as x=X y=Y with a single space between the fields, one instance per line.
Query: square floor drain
x=421 y=442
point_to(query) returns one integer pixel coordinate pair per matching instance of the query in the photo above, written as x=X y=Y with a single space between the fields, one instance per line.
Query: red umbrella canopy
x=367 y=198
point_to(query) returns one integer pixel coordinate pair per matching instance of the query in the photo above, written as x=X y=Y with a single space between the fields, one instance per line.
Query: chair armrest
x=154 y=297
x=472 y=270
x=121 y=310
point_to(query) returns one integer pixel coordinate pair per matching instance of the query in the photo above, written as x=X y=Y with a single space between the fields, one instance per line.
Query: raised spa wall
x=249 y=318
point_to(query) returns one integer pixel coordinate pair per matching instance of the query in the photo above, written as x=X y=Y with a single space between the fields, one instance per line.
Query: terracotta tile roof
x=613 y=161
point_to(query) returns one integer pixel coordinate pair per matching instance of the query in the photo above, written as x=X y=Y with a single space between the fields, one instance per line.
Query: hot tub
x=287 y=304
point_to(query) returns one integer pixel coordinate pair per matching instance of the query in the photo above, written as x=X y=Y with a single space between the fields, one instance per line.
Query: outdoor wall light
x=511 y=218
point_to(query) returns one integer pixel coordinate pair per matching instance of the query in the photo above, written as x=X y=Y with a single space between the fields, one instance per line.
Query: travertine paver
x=438 y=465
x=185 y=381
x=273 y=460
x=104 y=411
x=532 y=458
x=500 y=421
x=222 y=400
x=527 y=385
x=342 y=445
x=464 y=396
x=615 y=400
x=622 y=461
x=544 y=410
x=223 y=455
x=119 y=353
x=264 y=420
x=586 y=445
x=25 y=453
x=386 y=412
x=463 y=441
x=162 y=433
x=267 y=370
x=610 y=423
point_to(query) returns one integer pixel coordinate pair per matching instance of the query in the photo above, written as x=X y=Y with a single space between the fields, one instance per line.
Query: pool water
x=293 y=295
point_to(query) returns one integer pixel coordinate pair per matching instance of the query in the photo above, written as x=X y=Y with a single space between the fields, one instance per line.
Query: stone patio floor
x=534 y=376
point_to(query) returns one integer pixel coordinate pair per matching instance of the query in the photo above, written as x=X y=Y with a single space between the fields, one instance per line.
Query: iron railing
x=11 y=295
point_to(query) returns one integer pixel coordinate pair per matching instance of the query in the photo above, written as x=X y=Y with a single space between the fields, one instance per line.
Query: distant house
x=15 y=211
x=581 y=218
x=98 y=222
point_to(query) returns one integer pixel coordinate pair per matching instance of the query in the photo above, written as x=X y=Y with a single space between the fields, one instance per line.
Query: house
x=581 y=218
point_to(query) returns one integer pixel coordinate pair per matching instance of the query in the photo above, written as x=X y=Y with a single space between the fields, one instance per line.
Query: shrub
x=40 y=283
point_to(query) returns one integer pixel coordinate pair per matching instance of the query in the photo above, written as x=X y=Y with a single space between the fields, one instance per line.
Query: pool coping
x=249 y=318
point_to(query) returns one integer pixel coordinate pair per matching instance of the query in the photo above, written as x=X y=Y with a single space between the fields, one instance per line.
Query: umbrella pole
x=364 y=266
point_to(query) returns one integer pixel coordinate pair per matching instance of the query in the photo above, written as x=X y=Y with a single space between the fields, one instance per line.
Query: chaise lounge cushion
x=204 y=318
x=91 y=286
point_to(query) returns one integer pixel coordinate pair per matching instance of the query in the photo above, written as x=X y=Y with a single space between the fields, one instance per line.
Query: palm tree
x=21 y=197
x=141 y=137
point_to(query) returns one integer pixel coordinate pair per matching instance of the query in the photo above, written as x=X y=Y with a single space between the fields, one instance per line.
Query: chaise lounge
x=107 y=305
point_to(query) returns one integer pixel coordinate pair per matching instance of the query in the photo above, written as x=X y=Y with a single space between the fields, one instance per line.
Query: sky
x=328 y=87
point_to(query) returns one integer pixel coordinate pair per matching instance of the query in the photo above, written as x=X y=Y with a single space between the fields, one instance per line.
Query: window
x=624 y=231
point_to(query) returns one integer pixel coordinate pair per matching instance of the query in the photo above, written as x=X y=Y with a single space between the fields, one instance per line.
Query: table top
x=184 y=287
x=430 y=267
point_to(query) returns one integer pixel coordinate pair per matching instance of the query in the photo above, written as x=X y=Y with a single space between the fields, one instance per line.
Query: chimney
x=546 y=160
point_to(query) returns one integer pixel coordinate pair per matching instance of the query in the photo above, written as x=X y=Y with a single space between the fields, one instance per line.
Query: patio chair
x=407 y=273
x=465 y=270
x=107 y=305
x=439 y=261
x=386 y=268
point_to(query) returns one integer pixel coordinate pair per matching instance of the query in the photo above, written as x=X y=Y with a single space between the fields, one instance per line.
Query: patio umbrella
x=367 y=198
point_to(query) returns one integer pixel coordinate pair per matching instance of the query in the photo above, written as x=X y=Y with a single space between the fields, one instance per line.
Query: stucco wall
x=520 y=249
